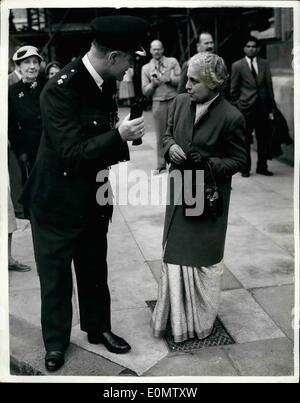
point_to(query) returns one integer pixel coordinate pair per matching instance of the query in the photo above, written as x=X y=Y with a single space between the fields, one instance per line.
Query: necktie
x=253 y=69
x=160 y=67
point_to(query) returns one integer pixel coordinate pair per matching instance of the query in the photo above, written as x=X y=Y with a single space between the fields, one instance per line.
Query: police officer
x=80 y=140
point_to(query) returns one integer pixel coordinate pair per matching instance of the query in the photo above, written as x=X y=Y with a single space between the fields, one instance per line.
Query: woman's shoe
x=54 y=360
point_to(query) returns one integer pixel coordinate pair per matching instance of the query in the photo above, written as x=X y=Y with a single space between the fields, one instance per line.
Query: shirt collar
x=202 y=109
x=161 y=61
x=249 y=60
x=96 y=77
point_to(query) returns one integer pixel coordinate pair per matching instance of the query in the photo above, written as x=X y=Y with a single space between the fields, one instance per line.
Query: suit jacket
x=246 y=93
x=79 y=140
x=183 y=79
x=218 y=135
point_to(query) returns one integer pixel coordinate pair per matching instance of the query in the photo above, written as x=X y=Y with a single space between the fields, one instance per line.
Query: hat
x=51 y=64
x=120 y=32
x=141 y=52
x=26 y=51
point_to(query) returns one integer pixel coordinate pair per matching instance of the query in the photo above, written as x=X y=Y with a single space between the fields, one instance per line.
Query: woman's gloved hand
x=197 y=158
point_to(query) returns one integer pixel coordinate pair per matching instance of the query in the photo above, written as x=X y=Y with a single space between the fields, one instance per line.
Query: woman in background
x=126 y=88
x=52 y=69
x=24 y=116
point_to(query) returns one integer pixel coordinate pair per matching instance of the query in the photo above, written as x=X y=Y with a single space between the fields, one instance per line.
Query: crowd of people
x=63 y=129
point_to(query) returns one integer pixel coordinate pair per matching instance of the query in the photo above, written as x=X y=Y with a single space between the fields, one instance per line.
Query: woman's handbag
x=213 y=200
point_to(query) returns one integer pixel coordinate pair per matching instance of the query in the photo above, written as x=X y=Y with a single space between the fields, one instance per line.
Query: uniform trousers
x=257 y=120
x=160 y=115
x=55 y=247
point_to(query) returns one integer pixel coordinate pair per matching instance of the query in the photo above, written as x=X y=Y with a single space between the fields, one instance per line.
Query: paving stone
x=254 y=259
x=282 y=181
x=276 y=225
x=278 y=302
x=263 y=358
x=155 y=267
x=26 y=304
x=24 y=280
x=134 y=326
x=244 y=319
x=229 y=282
x=250 y=201
x=148 y=235
x=130 y=279
x=27 y=351
x=207 y=362
x=133 y=289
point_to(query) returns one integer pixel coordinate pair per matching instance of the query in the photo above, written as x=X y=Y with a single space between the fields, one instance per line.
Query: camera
x=136 y=110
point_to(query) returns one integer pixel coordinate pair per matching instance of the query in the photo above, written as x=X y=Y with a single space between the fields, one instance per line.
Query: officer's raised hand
x=132 y=129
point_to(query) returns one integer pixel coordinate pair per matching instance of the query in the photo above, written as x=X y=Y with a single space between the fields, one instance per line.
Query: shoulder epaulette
x=65 y=77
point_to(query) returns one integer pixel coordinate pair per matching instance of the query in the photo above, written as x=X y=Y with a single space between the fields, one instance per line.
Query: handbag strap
x=209 y=164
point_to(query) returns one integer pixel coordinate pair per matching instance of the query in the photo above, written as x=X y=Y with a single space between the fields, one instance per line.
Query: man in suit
x=205 y=44
x=160 y=78
x=251 y=91
x=80 y=140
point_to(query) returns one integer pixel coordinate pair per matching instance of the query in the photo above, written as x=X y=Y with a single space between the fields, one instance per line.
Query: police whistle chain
x=136 y=111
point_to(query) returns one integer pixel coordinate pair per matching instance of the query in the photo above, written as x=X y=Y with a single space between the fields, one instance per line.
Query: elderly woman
x=204 y=132
x=24 y=116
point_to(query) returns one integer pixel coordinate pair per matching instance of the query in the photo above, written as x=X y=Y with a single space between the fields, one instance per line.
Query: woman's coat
x=219 y=135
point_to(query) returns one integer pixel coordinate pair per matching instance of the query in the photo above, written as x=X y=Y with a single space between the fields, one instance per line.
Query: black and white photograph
x=149 y=204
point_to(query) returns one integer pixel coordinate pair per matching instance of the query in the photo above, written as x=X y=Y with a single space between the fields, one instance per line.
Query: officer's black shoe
x=54 y=360
x=112 y=342
x=264 y=172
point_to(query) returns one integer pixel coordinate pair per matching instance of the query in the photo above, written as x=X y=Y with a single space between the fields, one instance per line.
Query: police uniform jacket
x=219 y=136
x=24 y=117
x=79 y=140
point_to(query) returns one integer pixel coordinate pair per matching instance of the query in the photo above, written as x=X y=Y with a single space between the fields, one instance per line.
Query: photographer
x=160 y=78
x=204 y=132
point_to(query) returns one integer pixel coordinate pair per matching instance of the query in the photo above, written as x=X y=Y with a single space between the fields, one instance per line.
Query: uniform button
x=65 y=174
